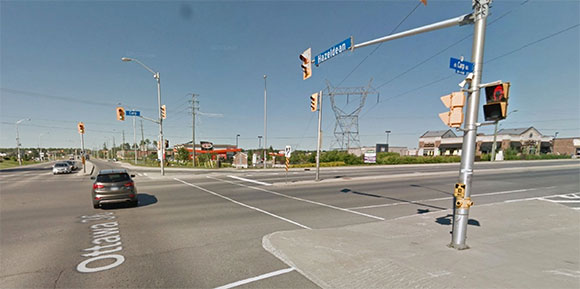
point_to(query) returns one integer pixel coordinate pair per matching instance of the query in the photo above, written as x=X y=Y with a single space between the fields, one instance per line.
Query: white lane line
x=446 y=198
x=302 y=200
x=253 y=279
x=242 y=204
x=249 y=180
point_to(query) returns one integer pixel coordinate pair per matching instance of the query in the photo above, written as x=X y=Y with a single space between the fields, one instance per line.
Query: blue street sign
x=132 y=113
x=461 y=67
x=334 y=51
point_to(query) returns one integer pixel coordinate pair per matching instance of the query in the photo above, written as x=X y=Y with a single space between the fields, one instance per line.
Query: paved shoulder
x=527 y=244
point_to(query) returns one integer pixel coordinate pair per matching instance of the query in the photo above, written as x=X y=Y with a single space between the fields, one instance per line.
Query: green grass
x=5 y=164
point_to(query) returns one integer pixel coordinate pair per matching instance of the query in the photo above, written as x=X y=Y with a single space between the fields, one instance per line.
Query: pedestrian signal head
x=496 y=97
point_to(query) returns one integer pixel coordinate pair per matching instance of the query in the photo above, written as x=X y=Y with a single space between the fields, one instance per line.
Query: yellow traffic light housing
x=120 y=113
x=455 y=102
x=81 y=127
x=314 y=102
x=163 y=112
x=496 y=97
x=306 y=65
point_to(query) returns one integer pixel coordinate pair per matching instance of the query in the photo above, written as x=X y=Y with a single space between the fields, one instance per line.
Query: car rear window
x=113 y=178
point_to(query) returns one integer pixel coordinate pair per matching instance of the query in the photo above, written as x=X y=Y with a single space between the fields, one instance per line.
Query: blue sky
x=61 y=64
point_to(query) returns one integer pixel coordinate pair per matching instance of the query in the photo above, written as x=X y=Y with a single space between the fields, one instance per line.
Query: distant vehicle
x=73 y=165
x=61 y=168
x=114 y=186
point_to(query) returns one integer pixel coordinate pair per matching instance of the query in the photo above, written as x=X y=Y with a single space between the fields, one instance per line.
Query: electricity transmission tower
x=346 y=130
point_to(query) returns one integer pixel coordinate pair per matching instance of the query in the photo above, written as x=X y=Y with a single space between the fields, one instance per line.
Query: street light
x=387 y=132
x=158 y=78
x=494 y=145
x=265 y=130
x=237 y=136
x=18 y=140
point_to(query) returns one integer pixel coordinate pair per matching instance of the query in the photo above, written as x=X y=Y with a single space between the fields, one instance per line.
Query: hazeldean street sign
x=334 y=51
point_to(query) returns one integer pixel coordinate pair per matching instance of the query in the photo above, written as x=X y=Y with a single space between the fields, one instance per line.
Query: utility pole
x=143 y=144
x=123 y=144
x=265 y=129
x=461 y=214
x=194 y=107
x=135 y=138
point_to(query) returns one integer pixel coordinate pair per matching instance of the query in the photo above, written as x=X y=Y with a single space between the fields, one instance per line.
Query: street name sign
x=132 y=113
x=460 y=66
x=334 y=51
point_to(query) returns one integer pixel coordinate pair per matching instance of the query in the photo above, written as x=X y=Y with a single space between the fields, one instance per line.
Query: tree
x=182 y=154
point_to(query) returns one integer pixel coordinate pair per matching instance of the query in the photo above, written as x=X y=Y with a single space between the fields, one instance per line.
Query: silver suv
x=61 y=168
x=114 y=186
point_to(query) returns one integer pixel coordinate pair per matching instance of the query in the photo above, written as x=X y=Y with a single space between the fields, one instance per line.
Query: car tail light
x=97 y=198
x=131 y=195
x=95 y=186
x=130 y=184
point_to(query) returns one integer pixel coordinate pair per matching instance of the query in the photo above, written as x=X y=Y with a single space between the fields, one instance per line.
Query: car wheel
x=135 y=203
x=96 y=206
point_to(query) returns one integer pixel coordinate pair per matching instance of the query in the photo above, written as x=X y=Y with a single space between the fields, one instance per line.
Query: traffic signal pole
x=462 y=204
x=319 y=143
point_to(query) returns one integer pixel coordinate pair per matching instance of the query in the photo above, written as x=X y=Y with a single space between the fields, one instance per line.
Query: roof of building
x=514 y=131
x=439 y=133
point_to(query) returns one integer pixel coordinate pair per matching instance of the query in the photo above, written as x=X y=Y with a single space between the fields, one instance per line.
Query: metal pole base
x=458 y=247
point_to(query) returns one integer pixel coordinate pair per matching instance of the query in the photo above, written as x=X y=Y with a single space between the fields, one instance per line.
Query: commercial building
x=523 y=140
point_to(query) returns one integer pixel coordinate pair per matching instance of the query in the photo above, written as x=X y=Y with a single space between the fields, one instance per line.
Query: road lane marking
x=447 y=198
x=242 y=204
x=249 y=180
x=257 y=278
x=302 y=200
x=107 y=240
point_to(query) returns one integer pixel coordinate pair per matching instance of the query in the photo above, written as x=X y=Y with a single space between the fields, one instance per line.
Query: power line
x=493 y=59
x=378 y=46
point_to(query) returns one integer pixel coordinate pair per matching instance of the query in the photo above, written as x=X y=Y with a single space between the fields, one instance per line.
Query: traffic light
x=163 y=112
x=81 y=127
x=496 y=97
x=306 y=63
x=455 y=102
x=166 y=143
x=120 y=113
x=314 y=102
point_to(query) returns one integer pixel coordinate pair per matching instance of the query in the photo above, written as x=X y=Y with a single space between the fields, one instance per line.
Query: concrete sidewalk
x=525 y=244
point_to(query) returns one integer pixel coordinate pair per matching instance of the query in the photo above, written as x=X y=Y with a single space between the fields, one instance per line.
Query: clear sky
x=61 y=64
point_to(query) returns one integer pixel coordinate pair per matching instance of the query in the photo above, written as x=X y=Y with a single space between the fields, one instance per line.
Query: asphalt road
x=204 y=229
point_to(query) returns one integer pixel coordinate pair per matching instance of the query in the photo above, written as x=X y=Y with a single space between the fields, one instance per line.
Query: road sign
x=288 y=151
x=132 y=113
x=460 y=66
x=334 y=51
